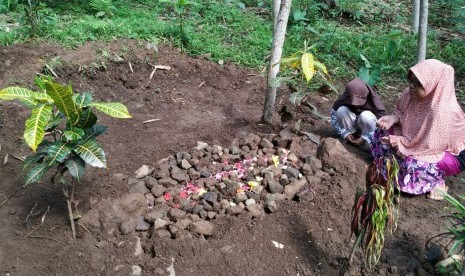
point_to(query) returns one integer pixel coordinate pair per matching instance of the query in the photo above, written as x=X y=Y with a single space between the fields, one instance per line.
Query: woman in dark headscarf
x=355 y=112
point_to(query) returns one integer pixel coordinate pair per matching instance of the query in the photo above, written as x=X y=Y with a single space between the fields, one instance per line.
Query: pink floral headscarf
x=434 y=124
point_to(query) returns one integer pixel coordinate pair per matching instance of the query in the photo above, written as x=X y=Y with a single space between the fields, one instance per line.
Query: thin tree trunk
x=416 y=16
x=279 y=34
x=276 y=8
x=423 y=28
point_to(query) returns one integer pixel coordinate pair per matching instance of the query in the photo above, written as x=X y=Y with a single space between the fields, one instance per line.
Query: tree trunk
x=276 y=8
x=423 y=28
x=279 y=34
x=415 y=16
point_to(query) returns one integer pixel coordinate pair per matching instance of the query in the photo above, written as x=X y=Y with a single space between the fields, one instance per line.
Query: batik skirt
x=415 y=176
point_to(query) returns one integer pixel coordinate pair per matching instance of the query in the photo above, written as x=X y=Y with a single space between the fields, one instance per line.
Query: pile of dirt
x=186 y=190
x=194 y=100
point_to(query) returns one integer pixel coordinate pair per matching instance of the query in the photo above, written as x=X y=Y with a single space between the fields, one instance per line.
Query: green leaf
x=57 y=152
x=76 y=167
x=375 y=77
x=92 y=154
x=55 y=121
x=312 y=30
x=73 y=134
x=83 y=99
x=87 y=119
x=367 y=63
x=63 y=98
x=364 y=74
x=289 y=61
x=296 y=97
x=32 y=159
x=93 y=132
x=36 y=173
x=42 y=97
x=40 y=82
x=117 y=110
x=241 y=5
x=35 y=125
x=320 y=66
x=308 y=67
x=24 y=95
x=299 y=15
x=278 y=81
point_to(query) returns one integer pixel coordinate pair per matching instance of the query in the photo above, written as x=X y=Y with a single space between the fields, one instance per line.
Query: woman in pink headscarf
x=427 y=130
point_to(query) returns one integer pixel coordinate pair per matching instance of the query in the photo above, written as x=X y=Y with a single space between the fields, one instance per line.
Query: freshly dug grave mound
x=181 y=196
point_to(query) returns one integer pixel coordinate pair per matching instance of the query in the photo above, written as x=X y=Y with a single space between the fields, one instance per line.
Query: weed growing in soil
x=67 y=118
x=455 y=234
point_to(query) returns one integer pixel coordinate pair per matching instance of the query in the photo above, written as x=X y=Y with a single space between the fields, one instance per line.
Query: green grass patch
x=241 y=31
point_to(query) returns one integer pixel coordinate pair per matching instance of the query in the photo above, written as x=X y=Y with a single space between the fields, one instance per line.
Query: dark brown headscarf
x=359 y=97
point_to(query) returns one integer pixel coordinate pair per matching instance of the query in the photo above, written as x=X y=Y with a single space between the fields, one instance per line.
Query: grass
x=241 y=31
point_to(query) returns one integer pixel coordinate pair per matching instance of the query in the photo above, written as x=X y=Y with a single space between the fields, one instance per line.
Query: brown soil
x=195 y=100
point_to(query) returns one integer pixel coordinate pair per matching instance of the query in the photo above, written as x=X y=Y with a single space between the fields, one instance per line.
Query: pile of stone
x=187 y=190
x=181 y=196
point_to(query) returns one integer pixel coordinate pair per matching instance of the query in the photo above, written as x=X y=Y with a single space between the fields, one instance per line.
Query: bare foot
x=438 y=193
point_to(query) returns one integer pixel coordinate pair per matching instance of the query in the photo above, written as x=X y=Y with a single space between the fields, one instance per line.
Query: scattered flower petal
x=202 y=191
x=183 y=194
x=278 y=245
x=275 y=159
x=167 y=196
x=252 y=183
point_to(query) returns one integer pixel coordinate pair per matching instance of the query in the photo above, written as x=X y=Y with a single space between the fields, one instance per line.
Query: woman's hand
x=355 y=141
x=386 y=140
x=386 y=122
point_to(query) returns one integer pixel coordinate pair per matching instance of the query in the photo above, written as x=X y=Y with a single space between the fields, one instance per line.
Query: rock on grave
x=292 y=189
x=137 y=186
x=333 y=155
x=210 y=197
x=141 y=224
x=202 y=227
x=265 y=143
x=201 y=145
x=175 y=214
x=143 y=171
x=255 y=210
x=127 y=226
x=159 y=224
x=178 y=174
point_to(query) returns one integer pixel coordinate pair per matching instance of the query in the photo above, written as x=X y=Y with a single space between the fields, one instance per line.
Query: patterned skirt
x=415 y=176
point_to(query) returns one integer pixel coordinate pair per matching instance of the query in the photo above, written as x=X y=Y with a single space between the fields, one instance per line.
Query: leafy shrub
x=69 y=119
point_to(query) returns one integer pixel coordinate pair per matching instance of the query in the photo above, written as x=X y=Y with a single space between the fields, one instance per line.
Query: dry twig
x=84 y=228
x=42 y=220
x=30 y=213
x=18 y=158
x=50 y=69
x=151 y=120
x=47 y=238
x=5 y=160
x=11 y=195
